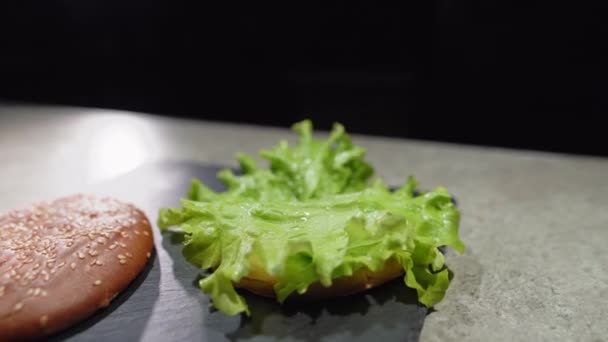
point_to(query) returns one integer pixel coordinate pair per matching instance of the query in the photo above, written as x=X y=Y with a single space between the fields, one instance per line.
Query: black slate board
x=165 y=304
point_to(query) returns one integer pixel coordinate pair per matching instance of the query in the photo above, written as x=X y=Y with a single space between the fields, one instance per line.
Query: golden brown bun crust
x=62 y=261
x=261 y=283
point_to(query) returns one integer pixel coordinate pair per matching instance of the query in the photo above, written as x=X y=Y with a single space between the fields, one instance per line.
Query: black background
x=520 y=74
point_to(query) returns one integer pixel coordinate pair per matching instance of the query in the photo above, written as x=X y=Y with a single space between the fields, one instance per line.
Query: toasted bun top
x=63 y=260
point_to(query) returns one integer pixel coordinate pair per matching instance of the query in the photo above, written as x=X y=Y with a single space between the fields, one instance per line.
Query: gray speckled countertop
x=536 y=224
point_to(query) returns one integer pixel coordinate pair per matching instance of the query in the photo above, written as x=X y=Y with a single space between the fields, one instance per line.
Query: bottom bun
x=261 y=283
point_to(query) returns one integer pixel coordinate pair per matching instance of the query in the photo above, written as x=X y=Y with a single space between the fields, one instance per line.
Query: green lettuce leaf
x=313 y=216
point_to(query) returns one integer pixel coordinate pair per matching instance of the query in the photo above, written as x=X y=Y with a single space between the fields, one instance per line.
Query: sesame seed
x=1 y=290
x=122 y=245
x=44 y=320
x=129 y=255
x=18 y=306
x=124 y=234
x=43 y=293
x=97 y=282
x=136 y=232
x=29 y=292
x=93 y=252
x=37 y=291
x=111 y=246
x=99 y=262
x=146 y=233
x=73 y=265
x=122 y=261
x=148 y=255
x=80 y=255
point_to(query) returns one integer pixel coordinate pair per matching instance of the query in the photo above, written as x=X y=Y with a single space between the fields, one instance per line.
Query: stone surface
x=535 y=224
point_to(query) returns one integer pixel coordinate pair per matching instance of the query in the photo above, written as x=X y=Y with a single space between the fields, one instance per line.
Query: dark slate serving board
x=165 y=304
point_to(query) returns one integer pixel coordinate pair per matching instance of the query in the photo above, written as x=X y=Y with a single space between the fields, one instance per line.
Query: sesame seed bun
x=62 y=261
x=261 y=283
